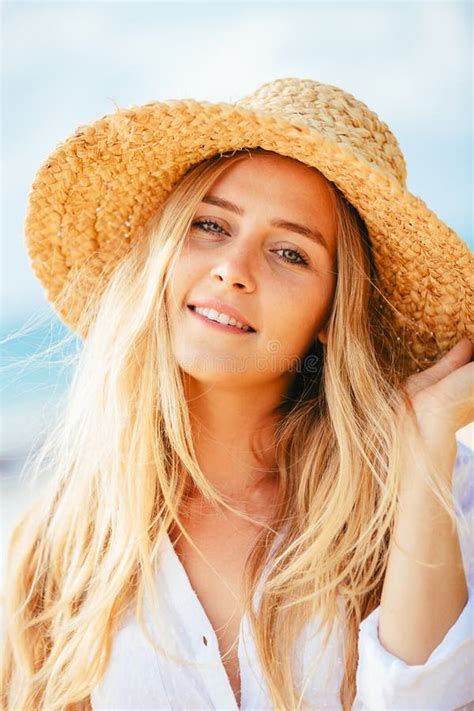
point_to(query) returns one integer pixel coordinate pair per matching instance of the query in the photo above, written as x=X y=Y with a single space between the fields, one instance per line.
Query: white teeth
x=214 y=315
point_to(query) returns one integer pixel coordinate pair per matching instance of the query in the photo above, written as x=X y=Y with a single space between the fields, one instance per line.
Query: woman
x=251 y=495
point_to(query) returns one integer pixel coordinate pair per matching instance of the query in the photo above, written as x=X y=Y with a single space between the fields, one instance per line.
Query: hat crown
x=334 y=114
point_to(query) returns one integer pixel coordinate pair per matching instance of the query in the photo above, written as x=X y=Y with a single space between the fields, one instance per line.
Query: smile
x=214 y=323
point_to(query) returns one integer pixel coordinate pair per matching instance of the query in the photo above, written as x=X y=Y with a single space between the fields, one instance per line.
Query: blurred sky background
x=68 y=63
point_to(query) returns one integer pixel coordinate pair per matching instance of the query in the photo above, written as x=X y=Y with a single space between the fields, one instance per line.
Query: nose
x=234 y=269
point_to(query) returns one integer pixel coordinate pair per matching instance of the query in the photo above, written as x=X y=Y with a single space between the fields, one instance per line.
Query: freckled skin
x=238 y=260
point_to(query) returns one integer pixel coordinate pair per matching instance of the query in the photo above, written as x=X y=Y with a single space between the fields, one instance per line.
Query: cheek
x=180 y=283
x=297 y=312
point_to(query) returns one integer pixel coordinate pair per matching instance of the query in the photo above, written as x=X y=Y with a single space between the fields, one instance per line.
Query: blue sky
x=68 y=63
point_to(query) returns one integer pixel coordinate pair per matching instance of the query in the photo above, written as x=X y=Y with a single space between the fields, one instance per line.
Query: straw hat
x=97 y=189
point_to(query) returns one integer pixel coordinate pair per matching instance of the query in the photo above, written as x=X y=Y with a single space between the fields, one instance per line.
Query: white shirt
x=140 y=678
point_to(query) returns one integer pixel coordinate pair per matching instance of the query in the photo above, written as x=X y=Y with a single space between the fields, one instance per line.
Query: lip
x=222 y=308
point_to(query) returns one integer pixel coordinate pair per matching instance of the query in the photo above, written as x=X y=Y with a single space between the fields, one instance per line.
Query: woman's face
x=262 y=249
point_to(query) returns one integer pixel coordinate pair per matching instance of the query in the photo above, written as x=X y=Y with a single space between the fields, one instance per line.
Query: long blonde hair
x=121 y=459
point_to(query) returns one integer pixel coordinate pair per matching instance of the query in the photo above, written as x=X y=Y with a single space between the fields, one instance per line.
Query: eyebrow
x=312 y=234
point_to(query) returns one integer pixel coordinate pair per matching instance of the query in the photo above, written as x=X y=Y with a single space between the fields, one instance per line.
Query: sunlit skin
x=235 y=380
x=425 y=585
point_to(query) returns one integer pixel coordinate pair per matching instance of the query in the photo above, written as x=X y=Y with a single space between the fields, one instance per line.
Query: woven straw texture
x=95 y=192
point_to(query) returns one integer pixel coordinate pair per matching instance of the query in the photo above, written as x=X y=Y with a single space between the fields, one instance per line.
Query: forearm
x=425 y=586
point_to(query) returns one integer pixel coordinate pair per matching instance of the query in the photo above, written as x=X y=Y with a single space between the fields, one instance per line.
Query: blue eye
x=302 y=260
x=207 y=226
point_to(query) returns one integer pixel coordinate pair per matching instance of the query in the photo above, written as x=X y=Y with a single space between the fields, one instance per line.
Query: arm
x=425 y=587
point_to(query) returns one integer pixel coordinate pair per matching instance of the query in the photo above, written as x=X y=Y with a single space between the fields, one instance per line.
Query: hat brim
x=94 y=192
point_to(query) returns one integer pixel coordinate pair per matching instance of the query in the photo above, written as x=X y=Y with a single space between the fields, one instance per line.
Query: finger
x=450 y=401
x=456 y=357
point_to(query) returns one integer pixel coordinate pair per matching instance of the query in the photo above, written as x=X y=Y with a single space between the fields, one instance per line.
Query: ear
x=322 y=336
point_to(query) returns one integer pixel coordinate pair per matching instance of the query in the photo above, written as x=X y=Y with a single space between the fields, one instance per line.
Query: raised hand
x=425 y=588
x=443 y=396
